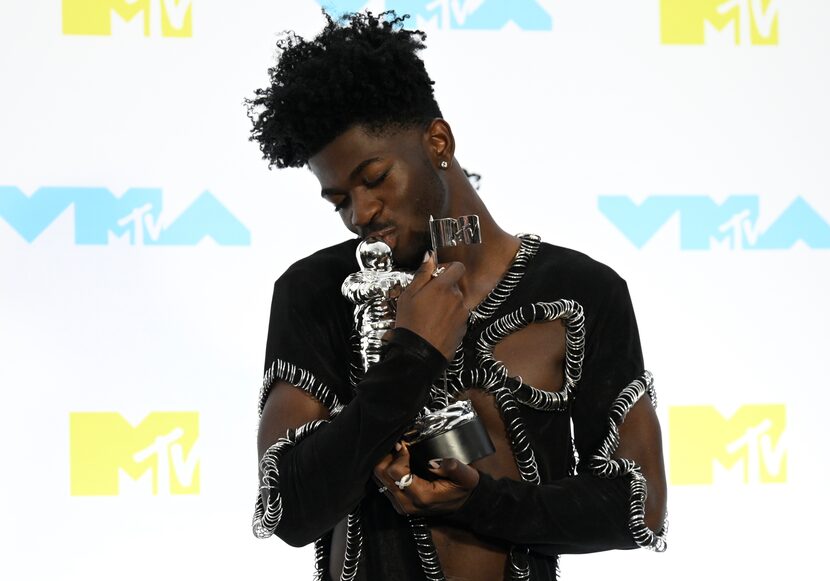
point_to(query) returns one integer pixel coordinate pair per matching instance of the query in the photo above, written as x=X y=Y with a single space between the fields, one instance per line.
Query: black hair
x=361 y=69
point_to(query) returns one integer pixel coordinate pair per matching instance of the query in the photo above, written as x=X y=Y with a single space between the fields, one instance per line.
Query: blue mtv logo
x=459 y=14
x=705 y=224
x=100 y=216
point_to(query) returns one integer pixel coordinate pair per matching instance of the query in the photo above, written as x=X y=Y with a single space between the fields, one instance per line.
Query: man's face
x=383 y=186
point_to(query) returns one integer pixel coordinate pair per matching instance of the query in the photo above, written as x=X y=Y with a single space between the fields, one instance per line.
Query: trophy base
x=466 y=442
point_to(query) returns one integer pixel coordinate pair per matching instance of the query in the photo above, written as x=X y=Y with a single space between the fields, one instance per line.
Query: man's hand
x=455 y=483
x=433 y=306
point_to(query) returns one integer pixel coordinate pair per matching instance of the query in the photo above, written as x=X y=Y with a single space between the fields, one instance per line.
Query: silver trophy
x=454 y=431
x=373 y=290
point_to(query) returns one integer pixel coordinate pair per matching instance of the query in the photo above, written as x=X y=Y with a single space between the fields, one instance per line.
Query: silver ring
x=382 y=489
x=405 y=481
x=437 y=272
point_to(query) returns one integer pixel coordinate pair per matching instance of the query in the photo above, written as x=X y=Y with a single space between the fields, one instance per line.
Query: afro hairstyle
x=362 y=69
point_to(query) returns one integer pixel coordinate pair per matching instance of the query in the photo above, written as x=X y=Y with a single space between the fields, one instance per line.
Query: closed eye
x=377 y=181
x=341 y=205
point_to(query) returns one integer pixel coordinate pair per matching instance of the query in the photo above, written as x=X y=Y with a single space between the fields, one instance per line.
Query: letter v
x=638 y=222
x=30 y=215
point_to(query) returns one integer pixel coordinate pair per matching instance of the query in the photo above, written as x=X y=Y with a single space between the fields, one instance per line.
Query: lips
x=387 y=235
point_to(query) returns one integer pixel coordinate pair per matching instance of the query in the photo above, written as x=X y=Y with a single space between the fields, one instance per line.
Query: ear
x=439 y=142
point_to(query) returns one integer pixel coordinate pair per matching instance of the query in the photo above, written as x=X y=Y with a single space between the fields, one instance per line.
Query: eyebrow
x=358 y=168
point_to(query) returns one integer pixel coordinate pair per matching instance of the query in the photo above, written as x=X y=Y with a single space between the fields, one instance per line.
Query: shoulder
x=310 y=320
x=575 y=271
x=319 y=273
x=309 y=289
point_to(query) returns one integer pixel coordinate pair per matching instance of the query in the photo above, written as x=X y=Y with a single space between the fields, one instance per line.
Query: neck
x=485 y=263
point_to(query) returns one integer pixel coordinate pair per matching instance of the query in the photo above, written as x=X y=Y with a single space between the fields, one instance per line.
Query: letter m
x=702 y=441
x=94 y=17
x=104 y=450
x=158 y=17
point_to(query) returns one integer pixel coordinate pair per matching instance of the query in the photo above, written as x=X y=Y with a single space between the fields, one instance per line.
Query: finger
x=399 y=467
x=402 y=449
x=455 y=471
x=451 y=274
x=424 y=272
x=379 y=471
x=398 y=501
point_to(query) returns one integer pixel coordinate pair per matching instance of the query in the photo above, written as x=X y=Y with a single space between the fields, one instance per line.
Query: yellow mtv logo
x=749 y=446
x=701 y=21
x=154 y=17
x=107 y=453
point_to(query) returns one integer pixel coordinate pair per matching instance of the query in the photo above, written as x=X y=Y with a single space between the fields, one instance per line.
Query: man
x=535 y=336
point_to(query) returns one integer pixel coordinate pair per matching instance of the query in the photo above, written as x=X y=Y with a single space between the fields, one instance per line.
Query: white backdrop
x=683 y=142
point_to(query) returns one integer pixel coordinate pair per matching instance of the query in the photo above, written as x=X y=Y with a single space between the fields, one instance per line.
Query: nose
x=365 y=208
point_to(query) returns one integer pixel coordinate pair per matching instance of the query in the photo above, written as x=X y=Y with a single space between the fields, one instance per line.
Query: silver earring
x=444 y=164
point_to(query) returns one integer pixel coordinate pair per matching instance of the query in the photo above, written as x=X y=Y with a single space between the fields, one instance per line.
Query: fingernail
x=426 y=256
x=398 y=446
x=435 y=463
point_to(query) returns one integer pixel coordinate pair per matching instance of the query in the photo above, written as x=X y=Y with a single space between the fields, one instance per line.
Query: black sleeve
x=579 y=514
x=587 y=512
x=613 y=359
x=323 y=476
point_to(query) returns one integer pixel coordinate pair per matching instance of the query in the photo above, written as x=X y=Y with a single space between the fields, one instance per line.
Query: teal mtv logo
x=705 y=224
x=101 y=216
x=459 y=14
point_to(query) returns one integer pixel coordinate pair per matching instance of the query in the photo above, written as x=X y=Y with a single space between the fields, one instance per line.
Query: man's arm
x=323 y=476
x=641 y=441
x=320 y=474
x=585 y=513
x=578 y=514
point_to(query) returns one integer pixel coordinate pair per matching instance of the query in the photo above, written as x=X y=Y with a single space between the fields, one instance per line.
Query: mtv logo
x=459 y=14
x=101 y=217
x=706 y=224
x=748 y=447
x=739 y=22
x=475 y=14
x=168 y=18
x=107 y=454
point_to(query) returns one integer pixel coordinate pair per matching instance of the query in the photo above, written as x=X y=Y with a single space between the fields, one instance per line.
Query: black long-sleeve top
x=328 y=473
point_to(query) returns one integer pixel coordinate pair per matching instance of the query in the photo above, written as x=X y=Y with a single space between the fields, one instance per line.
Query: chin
x=406 y=262
x=410 y=258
